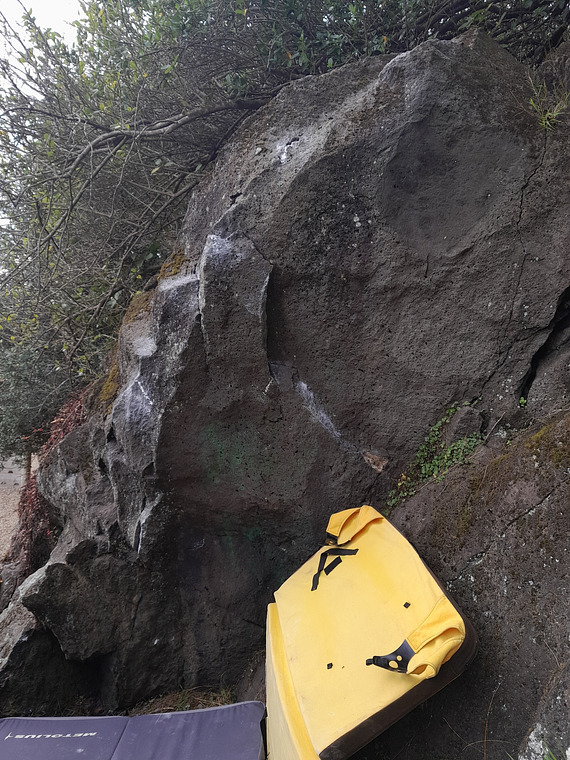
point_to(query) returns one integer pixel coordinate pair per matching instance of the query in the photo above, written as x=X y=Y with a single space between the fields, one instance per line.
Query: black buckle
x=397 y=661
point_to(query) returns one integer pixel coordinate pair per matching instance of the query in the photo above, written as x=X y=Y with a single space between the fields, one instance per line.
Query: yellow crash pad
x=355 y=639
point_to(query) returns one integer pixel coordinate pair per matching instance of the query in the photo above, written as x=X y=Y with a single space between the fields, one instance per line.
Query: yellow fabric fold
x=345 y=525
x=436 y=639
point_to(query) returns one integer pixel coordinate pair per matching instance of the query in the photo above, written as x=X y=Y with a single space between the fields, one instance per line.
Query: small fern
x=433 y=459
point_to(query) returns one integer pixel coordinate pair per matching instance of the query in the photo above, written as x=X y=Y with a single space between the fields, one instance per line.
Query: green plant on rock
x=548 y=753
x=548 y=106
x=433 y=459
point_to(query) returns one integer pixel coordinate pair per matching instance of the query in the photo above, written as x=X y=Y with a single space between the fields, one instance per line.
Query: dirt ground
x=10 y=482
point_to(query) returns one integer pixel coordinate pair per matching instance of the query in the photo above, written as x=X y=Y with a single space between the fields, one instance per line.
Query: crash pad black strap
x=396 y=661
x=335 y=552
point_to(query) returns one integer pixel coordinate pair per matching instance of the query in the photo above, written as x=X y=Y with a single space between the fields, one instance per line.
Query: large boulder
x=372 y=247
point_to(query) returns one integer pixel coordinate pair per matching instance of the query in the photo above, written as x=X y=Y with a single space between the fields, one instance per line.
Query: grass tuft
x=186 y=699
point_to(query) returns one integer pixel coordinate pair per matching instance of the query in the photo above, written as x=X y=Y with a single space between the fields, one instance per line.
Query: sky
x=52 y=14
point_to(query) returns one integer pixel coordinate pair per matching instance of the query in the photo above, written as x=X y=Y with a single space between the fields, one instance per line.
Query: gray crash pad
x=217 y=733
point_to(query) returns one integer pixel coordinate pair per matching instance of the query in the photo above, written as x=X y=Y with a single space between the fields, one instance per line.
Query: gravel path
x=10 y=482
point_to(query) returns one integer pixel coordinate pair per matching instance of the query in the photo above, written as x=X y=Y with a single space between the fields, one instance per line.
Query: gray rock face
x=35 y=676
x=496 y=532
x=371 y=247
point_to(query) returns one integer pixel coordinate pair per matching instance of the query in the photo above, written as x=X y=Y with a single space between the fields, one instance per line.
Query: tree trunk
x=27 y=464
